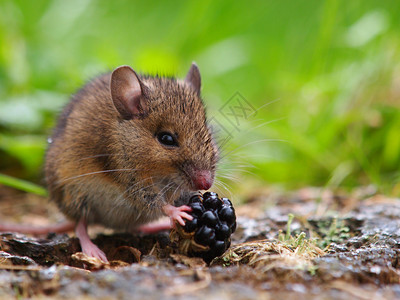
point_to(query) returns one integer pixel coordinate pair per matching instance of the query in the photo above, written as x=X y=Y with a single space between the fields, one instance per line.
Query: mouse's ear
x=126 y=93
x=193 y=78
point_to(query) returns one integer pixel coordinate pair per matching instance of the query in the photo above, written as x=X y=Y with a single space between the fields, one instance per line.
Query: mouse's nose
x=202 y=179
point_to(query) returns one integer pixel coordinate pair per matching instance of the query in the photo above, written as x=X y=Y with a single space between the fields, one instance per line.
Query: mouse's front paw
x=178 y=214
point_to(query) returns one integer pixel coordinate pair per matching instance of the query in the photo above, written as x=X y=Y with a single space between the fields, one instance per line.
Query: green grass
x=332 y=66
x=22 y=185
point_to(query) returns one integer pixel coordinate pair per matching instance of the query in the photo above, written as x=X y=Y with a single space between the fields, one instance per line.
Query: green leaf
x=22 y=185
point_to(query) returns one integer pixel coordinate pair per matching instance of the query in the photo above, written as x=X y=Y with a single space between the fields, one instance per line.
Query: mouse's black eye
x=167 y=139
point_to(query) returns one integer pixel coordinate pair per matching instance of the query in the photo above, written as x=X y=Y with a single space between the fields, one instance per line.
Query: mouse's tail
x=29 y=229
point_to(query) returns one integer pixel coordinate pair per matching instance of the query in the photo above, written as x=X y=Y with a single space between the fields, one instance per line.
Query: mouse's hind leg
x=87 y=245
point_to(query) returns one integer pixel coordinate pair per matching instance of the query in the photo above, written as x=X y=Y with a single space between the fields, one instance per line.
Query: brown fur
x=92 y=137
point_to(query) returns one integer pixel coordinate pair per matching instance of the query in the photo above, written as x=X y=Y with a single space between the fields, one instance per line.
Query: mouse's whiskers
x=164 y=190
x=228 y=177
x=176 y=189
x=250 y=143
x=100 y=155
x=94 y=173
x=220 y=186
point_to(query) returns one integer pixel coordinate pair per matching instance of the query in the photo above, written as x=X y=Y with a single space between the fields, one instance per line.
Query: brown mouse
x=126 y=147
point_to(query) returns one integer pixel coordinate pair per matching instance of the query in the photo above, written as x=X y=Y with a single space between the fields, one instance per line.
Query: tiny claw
x=178 y=214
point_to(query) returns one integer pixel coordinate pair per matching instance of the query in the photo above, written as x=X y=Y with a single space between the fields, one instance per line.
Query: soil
x=308 y=244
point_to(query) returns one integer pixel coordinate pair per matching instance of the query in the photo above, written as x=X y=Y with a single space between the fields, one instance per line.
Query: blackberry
x=211 y=200
x=226 y=201
x=222 y=231
x=219 y=247
x=191 y=225
x=197 y=209
x=204 y=236
x=195 y=199
x=227 y=214
x=209 y=218
x=208 y=234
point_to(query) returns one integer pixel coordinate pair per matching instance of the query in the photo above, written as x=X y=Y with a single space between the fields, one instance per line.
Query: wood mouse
x=126 y=147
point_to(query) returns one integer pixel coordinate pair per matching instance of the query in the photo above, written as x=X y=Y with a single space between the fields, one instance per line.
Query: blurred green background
x=324 y=77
